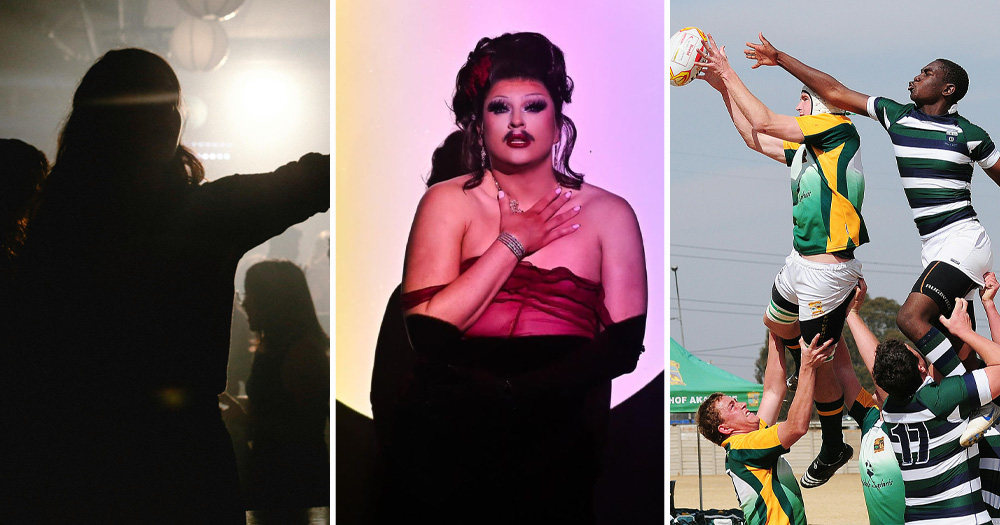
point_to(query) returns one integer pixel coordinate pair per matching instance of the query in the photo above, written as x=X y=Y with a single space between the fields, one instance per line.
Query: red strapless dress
x=534 y=302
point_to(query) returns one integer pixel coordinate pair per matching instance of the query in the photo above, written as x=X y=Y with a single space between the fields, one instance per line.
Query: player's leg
x=932 y=295
x=782 y=320
x=955 y=260
x=825 y=292
x=829 y=397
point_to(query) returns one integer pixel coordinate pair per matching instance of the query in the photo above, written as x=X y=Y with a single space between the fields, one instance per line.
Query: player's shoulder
x=887 y=102
x=765 y=437
x=968 y=127
x=824 y=121
x=891 y=108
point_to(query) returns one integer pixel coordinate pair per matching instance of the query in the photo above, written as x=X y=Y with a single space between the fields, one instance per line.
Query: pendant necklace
x=514 y=206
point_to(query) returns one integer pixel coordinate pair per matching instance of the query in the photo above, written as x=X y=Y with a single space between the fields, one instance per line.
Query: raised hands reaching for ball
x=764 y=53
x=715 y=65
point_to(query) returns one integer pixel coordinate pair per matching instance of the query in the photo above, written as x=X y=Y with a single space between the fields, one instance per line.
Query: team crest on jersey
x=879 y=444
x=952 y=135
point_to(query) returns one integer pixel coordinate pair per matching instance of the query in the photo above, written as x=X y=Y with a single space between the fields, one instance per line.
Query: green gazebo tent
x=692 y=380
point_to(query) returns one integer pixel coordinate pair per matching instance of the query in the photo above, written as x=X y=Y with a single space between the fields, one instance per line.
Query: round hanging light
x=211 y=9
x=199 y=45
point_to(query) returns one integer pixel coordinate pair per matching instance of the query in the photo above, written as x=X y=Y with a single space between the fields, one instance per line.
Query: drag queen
x=524 y=291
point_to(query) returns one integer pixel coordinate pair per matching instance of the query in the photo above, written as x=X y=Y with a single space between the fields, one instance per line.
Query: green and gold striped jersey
x=765 y=485
x=828 y=185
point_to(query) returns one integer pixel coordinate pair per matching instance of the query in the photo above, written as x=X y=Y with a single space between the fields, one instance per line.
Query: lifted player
x=812 y=292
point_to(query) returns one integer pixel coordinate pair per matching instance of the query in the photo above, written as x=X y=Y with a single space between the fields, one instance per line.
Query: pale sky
x=730 y=207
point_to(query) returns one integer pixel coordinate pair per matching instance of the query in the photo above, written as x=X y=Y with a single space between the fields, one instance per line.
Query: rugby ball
x=685 y=51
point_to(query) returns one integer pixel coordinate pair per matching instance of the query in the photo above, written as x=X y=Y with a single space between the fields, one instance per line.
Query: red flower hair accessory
x=480 y=74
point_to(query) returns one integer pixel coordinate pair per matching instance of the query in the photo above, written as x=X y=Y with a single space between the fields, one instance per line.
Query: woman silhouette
x=288 y=390
x=127 y=288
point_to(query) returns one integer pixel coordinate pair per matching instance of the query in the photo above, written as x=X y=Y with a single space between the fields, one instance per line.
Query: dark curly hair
x=512 y=56
x=955 y=74
x=895 y=369
x=709 y=419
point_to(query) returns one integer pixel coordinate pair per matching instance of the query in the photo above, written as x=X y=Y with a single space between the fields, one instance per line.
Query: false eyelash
x=536 y=106
x=497 y=106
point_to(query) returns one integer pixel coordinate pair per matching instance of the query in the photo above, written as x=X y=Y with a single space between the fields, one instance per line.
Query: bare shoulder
x=449 y=196
x=451 y=189
x=614 y=211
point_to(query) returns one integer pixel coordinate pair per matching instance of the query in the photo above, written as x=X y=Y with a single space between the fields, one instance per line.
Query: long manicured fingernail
x=575 y=226
x=569 y=194
x=558 y=190
x=500 y=194
x=576 y=208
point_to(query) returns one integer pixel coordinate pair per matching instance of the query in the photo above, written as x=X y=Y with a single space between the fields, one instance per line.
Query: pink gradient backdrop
x=395 y=68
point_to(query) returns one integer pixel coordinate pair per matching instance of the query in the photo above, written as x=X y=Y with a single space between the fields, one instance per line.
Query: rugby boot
x=979 y=422
x=820 y=471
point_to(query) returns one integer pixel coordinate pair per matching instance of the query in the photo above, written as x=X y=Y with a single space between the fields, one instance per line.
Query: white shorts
x=817 y=288
x=964 y=245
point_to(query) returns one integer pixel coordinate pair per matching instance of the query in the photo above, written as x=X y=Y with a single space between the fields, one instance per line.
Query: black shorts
x=943 y=282
x=829 y=326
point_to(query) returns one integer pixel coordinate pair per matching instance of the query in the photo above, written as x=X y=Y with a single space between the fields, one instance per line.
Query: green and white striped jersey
x=940 y=476
x=935 y=156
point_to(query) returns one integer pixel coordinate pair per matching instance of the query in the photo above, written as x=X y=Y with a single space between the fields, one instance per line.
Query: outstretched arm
x=821 y=83
x=797 y=424
x=863 y=336
x=760 y=116
x=771 y=146
x=775 y=387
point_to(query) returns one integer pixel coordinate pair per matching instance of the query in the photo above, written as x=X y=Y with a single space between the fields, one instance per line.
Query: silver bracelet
x=511 y=242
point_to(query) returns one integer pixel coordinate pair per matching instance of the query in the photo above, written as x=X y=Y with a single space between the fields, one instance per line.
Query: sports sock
x=831 y=422
x=792 y=345
x=936 y=347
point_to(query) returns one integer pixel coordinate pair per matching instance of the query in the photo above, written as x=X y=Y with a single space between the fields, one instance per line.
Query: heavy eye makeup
x=501 y=106
x=536 y=106
x=497 y=107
